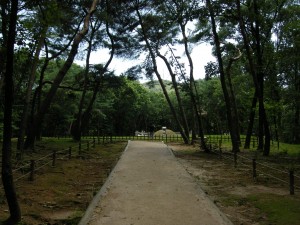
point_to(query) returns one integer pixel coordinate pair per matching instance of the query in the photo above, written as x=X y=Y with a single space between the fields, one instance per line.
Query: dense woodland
x=253 y=88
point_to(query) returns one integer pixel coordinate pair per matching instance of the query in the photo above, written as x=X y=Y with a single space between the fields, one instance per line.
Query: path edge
x=198 y=183
x=94 y=202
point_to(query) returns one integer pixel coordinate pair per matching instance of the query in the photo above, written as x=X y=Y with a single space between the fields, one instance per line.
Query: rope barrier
x=269 y=175
x=19 y=168
x=281 y=171
x=47 y=163
x=24 y=175
x=46 y=156
x=38 y=168
x=260 y=171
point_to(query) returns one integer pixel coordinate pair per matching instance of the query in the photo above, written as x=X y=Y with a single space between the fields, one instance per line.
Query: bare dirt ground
x=60 y=195
x=227 y=186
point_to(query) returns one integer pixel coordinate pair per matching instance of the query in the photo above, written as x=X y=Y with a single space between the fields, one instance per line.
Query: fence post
x=292 y=182
x=32 y=167
x=254 y=169
x=94 y=141
x=88 y=145
x=70 y=152
x=53 y=157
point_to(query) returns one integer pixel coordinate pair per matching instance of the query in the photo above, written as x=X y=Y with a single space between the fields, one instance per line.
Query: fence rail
x=30 y=168
x=286 y=177
x=258 y=168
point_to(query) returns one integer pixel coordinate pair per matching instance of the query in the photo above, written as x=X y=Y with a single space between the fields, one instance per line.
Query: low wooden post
x=32 y=168
x=254 y=175
x=53 y=157
x=94 y=141
x=88 y=145
x=70 y=152
x=292 y=182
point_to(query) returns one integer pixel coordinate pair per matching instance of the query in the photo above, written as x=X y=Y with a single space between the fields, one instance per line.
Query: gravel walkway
x=150 y=187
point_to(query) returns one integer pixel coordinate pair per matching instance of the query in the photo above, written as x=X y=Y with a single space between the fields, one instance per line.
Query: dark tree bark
x=7 y=177
x=251 y=122
x=152 y=55
x=38 y=118
x=231 y=121
x=26 y=107
x=296 y=128
x=83 y=117
x=232 y=95
x=258 y=78
x=179 y=101
x=4 y=18
x=193 y=89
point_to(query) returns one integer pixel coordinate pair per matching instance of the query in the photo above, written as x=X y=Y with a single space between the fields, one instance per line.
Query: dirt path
x=150 y=187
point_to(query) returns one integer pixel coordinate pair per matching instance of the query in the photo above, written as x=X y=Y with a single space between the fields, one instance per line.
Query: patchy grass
x=279 y=210
x=265 y=201
x=60 y=195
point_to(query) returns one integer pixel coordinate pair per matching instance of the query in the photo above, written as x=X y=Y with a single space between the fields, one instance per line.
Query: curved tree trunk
x=234 y=110
x=193 y=91
x=26 y=108
x=83 y=117
x=38 y=118
x=173 y=111
x=175 y=86
x=231 y=121
x=7 y=177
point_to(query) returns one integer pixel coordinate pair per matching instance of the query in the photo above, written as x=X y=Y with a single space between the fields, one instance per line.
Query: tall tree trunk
x=26 y=107
x=257 y=76
x=4 y=18
x=231 y=121
x=232 y=95
x=7 y=177
x=179 y=101
x=173 y=111
x=251 y=122
x=193 y=90
x=263 y=121
x=83 y=117
x=38 y=118
x=296 y=128
x=76 y=125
